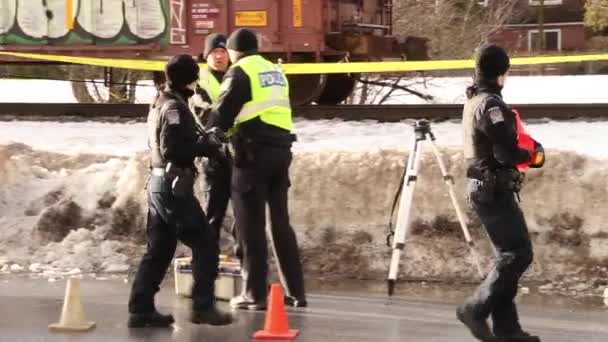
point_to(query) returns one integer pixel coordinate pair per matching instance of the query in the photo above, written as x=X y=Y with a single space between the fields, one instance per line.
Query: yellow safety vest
x=209 y=83
x=269 y=94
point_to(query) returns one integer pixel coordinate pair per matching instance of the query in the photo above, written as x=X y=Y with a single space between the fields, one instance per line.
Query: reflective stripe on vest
x=209 y=83
x=269 y=94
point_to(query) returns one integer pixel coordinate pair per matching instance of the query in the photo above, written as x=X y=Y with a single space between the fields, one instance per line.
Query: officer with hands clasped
x=217 y=172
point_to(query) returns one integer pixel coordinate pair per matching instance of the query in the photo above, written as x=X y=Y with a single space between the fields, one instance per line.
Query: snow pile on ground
x=126 y=139
x=68 y=212
x=346 y=197
x=77 y=137
x=70 y=209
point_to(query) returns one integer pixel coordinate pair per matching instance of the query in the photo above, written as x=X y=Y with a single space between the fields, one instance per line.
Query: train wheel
x=338 y=88
x=304 y=89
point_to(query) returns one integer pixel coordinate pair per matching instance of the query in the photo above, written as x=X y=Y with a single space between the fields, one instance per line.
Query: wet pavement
x=355 y=314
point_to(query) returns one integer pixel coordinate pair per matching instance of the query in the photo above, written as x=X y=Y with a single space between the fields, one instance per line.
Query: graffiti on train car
x=95 y=22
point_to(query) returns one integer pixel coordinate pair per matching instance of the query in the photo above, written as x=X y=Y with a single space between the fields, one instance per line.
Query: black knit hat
x=214 y=41
x=181 y=70
x=243 y=40
x=492 y=61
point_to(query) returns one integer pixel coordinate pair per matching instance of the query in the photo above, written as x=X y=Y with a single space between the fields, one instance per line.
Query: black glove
x=213 y=148
x=220 y=156
x=209 y=139
x=216 y=136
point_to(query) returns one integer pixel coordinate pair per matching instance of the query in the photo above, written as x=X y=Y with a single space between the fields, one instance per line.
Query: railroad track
x=383 y=113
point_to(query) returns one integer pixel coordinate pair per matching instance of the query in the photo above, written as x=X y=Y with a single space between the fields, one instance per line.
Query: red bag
x=524 y=141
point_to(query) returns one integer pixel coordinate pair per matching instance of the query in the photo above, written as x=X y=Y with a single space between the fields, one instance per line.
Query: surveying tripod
x=422 y=131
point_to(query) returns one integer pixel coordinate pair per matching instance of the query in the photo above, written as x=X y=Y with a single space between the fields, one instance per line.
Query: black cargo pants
x=170 y=219
x=218 y=176
x=505 y=224
x=218 y=193
x=265 y=179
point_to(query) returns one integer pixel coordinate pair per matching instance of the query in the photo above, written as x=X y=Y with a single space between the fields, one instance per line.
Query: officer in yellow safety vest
x=217 y=172
x=254 y=111
x=215 y=56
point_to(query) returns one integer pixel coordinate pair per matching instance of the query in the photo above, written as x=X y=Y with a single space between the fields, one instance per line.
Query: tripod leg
x=403 y=213
x=449 y=181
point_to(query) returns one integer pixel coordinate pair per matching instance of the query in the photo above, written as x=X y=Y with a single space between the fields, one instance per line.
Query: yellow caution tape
x=378 y=67
x=137 y=64
x=319 y=68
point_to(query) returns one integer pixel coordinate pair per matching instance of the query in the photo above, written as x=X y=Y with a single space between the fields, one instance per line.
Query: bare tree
x=376 y=89
x=87 y=85
x=454 y=27
x=498 y=14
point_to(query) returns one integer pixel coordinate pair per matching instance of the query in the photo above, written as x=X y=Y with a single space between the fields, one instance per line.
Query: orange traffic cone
x=276 y=326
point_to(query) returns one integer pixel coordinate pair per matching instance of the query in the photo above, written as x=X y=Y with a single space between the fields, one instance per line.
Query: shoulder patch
x=496 y=115
x=172 y=116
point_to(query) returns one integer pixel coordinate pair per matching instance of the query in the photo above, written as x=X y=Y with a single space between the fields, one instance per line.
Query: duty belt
x=501 y=179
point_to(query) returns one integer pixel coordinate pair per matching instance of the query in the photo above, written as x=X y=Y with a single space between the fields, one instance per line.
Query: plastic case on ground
x=227 y=284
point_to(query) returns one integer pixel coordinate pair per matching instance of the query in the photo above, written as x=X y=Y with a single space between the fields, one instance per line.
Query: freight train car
x=292 y=30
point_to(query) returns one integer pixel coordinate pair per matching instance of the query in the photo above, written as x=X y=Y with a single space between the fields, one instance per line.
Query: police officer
x=492 y=153
x=217 y=172
x=207 y=91
x=174 y=213
x=255 y=112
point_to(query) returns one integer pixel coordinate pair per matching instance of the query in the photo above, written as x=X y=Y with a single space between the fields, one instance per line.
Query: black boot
x=479 y=328
x=211 y=316
x=520 y=336
x=150 y=319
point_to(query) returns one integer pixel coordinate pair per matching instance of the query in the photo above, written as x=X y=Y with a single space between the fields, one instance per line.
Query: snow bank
x=119 y=139
x=72 y=193
x=86 y=211
x=68 y=212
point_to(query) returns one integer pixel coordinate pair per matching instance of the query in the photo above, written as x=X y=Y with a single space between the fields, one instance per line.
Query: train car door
x=264 y=17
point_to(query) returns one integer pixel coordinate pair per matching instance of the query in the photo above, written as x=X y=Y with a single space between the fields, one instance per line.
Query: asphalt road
x=28 y=306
